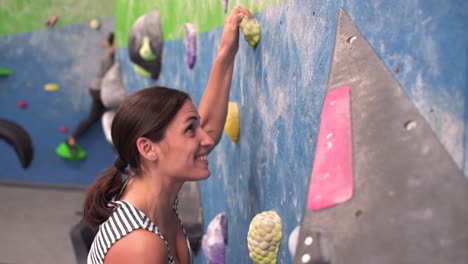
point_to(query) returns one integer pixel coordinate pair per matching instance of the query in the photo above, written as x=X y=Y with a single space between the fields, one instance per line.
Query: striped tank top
x=124 y=220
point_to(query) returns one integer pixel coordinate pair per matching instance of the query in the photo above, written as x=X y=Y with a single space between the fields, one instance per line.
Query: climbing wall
x=280 y=88
x=66 y=54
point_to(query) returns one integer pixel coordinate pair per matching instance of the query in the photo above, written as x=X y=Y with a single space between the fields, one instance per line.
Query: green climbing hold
x=264 y=237
x=140 y=71
x=5 y=72
x=251 y=30
x=64 y=151
x=145 y=50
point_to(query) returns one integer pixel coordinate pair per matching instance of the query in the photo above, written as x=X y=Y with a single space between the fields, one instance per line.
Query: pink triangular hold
x=332 y=174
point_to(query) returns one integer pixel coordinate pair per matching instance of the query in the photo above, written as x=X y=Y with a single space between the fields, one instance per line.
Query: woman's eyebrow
x=193 y=117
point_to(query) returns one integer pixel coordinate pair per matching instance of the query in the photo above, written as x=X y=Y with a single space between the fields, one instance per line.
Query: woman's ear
x=147 y=149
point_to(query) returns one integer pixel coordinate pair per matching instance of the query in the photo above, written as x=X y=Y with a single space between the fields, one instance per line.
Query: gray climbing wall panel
x=409 y=197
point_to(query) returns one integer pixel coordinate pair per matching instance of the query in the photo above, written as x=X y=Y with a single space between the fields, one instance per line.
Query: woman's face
x=185 y=146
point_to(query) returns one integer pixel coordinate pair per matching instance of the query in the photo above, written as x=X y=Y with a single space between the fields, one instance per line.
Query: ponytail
x=96 y=204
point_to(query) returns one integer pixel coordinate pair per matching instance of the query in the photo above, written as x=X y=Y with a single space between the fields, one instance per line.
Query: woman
x=97 y=107
x=165 y=141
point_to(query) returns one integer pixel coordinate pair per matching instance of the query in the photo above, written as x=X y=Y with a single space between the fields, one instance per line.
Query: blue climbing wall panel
x=280 y=88
x=69 y=57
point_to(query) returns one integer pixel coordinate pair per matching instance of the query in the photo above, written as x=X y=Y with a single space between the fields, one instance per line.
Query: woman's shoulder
x=139 y=246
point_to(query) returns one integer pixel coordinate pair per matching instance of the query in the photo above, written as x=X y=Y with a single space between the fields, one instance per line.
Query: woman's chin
x=202 y=175
x=206 y=175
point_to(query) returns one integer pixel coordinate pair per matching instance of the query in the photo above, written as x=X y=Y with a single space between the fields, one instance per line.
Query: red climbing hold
x=63 y=129
x=51 y=21
x=22 y=104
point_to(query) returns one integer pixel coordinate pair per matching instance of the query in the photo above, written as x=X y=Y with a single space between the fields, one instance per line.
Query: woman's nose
x=206 y=139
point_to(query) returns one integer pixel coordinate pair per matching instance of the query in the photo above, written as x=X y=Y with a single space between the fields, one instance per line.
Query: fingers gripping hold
x=236 y=16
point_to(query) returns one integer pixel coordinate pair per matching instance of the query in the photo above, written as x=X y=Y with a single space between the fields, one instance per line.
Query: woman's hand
x=229 y=43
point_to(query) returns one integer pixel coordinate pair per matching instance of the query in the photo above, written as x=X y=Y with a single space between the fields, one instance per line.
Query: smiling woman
x=162 y=141
x=149 y=132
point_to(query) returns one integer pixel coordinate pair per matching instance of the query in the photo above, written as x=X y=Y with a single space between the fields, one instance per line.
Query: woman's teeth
x=202 y=157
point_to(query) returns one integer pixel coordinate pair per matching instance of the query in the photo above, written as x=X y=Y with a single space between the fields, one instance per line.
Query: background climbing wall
x=280 y=87
x=68 y=55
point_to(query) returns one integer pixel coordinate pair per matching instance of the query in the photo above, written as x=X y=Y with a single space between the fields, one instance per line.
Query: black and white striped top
x=124 y=220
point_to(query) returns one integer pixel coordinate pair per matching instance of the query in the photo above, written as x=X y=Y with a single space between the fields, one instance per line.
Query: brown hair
x=145 y=113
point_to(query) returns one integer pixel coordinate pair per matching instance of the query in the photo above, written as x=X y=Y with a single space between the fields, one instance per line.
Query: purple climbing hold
x=190 y=42
x=225 y=5
x=215 y=240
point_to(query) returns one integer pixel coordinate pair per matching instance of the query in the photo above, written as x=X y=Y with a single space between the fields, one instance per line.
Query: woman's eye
x=190 y=129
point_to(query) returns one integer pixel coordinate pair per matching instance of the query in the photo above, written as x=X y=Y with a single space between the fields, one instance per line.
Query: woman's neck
x=154 y=196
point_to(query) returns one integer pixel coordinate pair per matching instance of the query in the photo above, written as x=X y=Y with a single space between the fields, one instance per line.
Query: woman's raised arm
x=213 y=105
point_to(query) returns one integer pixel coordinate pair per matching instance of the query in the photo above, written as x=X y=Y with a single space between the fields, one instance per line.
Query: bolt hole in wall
x=351 y=39
x=410 y=125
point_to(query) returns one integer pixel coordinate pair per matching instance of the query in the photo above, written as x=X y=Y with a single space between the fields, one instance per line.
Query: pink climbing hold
x=63 y=129
x=332 y=174
x=51 y=21
x=22 y=104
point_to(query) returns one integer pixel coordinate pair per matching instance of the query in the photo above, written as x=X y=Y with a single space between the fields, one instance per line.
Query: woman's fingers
x=238 y=18
x=237 y=14
x=245 y=11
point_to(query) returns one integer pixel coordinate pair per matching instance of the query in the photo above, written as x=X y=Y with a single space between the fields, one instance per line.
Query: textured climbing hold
x=51 y=21
x=63 y=129
x=5 y=72
x=94 y=24
x=225 y=5
x=22 y=104
x=215 y=240
x=74 y=152
x=190 y=43
x=140 y=71
x=145 y=50
x=232 y=125
x=251 y=30
x=147 y=25
x=51 y=87
x=264 y=237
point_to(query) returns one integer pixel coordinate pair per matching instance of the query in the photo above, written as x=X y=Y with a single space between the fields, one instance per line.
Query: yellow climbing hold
x=145 y=50
x=231 y=127
x=51 y=87
x=264 y=237
x=251 y=30
x=94 y=24
x=140 y=71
